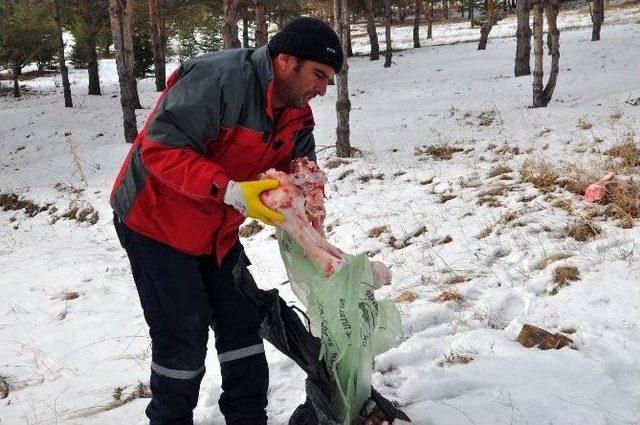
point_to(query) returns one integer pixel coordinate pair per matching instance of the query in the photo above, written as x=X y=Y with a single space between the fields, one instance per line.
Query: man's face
x=298 y=81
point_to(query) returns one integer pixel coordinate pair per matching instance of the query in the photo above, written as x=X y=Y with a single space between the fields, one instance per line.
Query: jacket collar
x=264 y=70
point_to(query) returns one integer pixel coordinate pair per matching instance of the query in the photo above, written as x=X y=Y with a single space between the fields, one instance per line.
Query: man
x=187 y=184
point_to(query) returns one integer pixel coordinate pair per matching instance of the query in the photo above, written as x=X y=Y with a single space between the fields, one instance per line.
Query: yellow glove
x=245 y=197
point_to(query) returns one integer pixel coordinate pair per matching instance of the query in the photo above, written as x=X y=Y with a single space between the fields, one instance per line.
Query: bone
x=300 y=198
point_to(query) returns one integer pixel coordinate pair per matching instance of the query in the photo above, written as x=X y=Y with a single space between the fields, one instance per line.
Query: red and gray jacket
x=214 y=122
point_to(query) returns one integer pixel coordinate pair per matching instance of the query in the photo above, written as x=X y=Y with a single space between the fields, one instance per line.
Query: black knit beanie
x=309 y=38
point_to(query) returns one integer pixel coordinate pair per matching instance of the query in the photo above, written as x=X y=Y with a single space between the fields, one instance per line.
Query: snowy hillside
x=467 y=193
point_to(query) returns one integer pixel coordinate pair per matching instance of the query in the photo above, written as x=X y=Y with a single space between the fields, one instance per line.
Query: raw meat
x=300 y=198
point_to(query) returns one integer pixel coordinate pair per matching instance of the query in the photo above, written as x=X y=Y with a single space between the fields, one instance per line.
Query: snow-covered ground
x=72 y=332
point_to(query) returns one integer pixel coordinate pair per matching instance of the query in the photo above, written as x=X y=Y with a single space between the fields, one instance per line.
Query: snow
x=63 y=358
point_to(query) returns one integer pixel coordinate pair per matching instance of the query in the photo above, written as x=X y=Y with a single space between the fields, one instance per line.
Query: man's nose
x=321 y=89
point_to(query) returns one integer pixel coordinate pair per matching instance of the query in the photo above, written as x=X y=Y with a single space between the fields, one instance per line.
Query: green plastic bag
x=353 y=326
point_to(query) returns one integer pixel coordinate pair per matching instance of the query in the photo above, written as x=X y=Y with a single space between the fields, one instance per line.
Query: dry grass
x=583 y=230
x=250 y=229
x=450 y=296
x=406 y=297
x=375 y=232
x=616 y=115
x=489 y=201
x=426 y=182
x=365 y=178
x=584 y=124
x=399 y=173
x=345 y=174
x=4 y=388
x=541 y=174
x=564 y=274
x=456 y=279
x=12 y=202
x=499 y=170
x=543 y=263
x=454 y=358
x=627 y=152
x=438 y=152
x=446 y=197
x=335 y=163
x=447 y=239
x=563 y=204
x=69 y=295
x=141 y=391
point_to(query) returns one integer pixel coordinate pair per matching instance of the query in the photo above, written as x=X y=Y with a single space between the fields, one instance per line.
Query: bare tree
x=157 y=23
x=445 y=9
x=371 y=29
x=472 y=9
x=121 y=12
x=416 y=23
x=492 y=19
x=64 y=72
x=523 y=39
x=91 y=26
x=541 y=97
x=230 y=25
x=387 y=33
x=349 y=46
x=597 y=17
x=343 y=104
x=261 y=23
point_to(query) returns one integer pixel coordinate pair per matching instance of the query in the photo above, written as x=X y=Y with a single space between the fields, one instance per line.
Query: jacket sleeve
x=305 y=145
x=174 y=139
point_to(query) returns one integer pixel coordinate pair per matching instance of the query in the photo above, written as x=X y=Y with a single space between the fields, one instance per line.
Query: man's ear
x=283 y=62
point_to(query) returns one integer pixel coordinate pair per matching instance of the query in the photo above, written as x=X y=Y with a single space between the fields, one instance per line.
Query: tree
x=371 y=29
x=92 y=12
x=541 y=97
x=261 y=23
x=387 y=33
x=416 y=24
x=523 y=39
x=429 y=15
x=24 y=27
x=491 y=20
x=121 y=12
x=597 y=17
x=343 y=104
x=158 y=41
x=64 y=72
x=230 y=24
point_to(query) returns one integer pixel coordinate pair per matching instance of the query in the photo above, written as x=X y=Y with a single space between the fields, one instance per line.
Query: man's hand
x=245 y=197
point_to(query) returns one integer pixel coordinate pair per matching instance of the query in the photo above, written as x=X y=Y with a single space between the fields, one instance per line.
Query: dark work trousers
x=181 y=296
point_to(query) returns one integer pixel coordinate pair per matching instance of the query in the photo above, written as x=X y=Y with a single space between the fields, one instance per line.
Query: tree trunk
x=64 y=72
x=120 y=13
x=429 y=16
x=349 y=46
x=387 y=33
x=472 y=9
x=245 y=32
x=523 y=39
x=261 y=23
x=537 y=51
x=597 y=17
x=541 y=97
x=16 y=86
x=416 y=24
x=486 y=28
x=343 y=104
x=371 y=29
x=551 y=9
x=156 y=21
x=445 y=9
x=91 y=28
x=230 y=25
